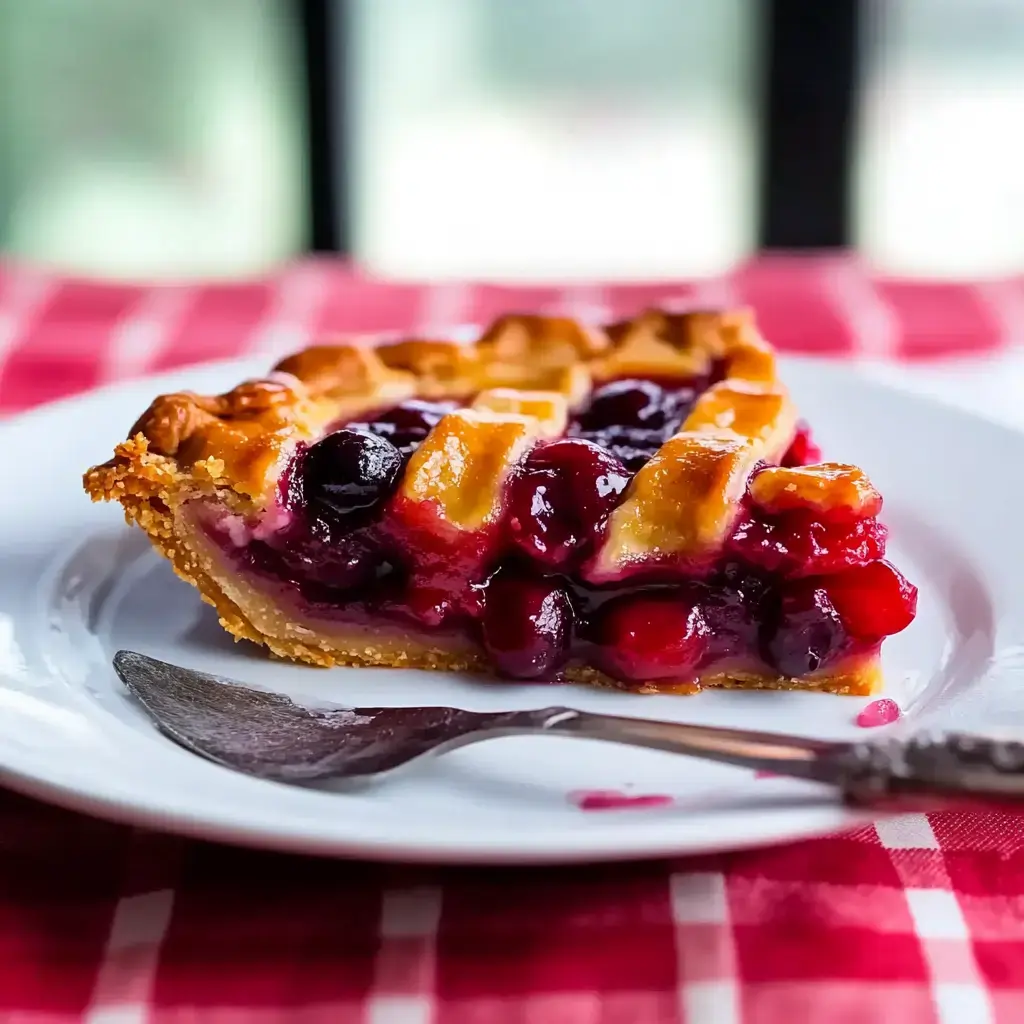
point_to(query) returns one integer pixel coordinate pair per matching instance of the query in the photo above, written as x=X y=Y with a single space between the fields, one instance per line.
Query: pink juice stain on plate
x=613 y=799
x=878 y=712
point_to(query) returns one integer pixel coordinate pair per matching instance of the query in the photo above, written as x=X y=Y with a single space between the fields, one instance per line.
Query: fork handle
x=790 y=755
x=925 y=771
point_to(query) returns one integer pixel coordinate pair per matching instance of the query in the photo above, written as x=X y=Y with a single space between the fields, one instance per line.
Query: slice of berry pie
x=636 y=506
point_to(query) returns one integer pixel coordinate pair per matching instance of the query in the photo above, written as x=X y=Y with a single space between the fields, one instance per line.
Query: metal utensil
x=270 y=736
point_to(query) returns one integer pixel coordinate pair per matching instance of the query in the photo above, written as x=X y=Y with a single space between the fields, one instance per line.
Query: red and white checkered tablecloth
x=918 y=920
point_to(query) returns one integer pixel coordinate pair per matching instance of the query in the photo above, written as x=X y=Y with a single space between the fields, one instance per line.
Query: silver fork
x=269 y=736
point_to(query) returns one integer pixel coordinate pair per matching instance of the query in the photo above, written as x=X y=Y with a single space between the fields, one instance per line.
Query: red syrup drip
x=613 y=800
x=878 y=712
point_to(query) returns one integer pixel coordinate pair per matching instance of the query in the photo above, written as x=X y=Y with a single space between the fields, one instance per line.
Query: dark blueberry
x=632 y=446
x=633 y=459
x=416 y=414
x=636 y=404
x=806 y=632
x=407 y=441
x=736 y=602
x=681 y=400
x=677 y=406
x=560 y=498
x=750 y=587
x=527 y=626
x=380 y=429
x=415 y=418
x=349 y=472
x=322 y=550
x=406 y=426
x=628 y=437
x=329 y=562
x=625 y=403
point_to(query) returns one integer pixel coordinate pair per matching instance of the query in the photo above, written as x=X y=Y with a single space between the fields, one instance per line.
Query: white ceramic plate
x=76 y=585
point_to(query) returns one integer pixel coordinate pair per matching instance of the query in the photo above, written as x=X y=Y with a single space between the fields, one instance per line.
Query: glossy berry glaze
x=793 y=593
x=879 y=712
x=616 y=800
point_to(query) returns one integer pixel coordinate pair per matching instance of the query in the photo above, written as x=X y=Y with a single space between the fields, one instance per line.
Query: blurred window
x=559 y=138
x=940 y=175
x=148 y=139
x=510 y=138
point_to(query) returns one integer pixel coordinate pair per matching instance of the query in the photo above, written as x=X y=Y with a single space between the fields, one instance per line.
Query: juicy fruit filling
x=632 y=419
x=795 y=590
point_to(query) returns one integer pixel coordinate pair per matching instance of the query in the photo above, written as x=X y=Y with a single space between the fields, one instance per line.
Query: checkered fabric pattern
x=920 y=919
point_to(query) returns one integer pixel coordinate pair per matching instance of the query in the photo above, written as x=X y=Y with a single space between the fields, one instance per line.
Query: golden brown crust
x=683 y=503
x=757 y=413
x=248 y=427
x=526 y=372
x=241 y=439
x=461 y=467
x=857 y=677
x=827 y=488
x=706 y=475
x=443 y=369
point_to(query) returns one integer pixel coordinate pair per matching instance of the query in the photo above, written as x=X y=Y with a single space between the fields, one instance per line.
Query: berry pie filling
x=798 y=588
x=634 y=505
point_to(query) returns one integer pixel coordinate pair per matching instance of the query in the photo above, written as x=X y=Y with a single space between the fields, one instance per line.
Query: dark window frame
x=811 y=87
x=323 y=23
x=809 y=61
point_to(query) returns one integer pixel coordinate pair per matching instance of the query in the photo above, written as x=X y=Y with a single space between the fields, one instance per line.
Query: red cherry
x=527 y=626
x=873 y=601
x=560 y=498
x=798 y=543
x=441 y=561
x=642 y=638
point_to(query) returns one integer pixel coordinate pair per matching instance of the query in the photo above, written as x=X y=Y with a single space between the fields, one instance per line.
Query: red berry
x=440 y=561
x=798 y=543
x=647 y=638
x=873 y=601
x=560 y=499
x=527 y=626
